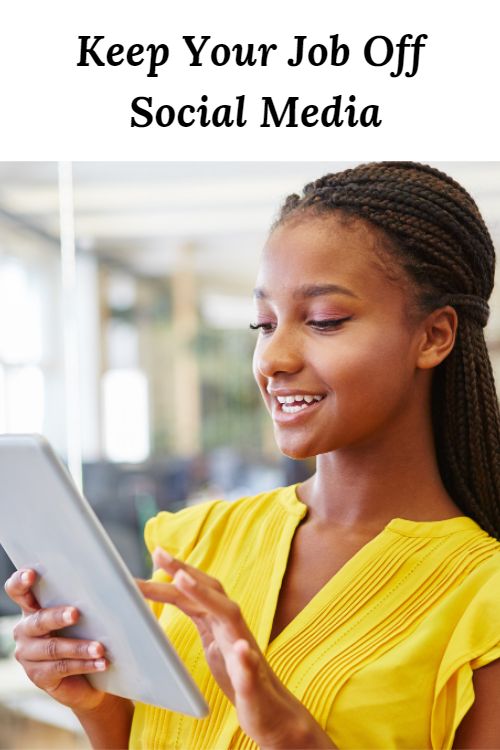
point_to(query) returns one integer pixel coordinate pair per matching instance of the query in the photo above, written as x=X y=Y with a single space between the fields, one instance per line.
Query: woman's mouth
x=292 y=404
x=291 y=408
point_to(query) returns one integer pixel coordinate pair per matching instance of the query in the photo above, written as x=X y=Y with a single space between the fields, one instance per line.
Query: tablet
x=46 y=525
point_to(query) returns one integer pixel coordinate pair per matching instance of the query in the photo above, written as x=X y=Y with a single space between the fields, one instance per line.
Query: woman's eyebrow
x=310 y=290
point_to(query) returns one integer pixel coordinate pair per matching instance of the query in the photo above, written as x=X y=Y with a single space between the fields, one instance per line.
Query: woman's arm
x=480 y=727
x=267 y=711
x=108 y=725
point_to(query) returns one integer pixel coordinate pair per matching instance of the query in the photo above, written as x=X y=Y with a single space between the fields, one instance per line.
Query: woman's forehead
x=324 y=250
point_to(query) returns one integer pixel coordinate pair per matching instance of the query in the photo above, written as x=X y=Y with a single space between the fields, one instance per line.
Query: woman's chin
x=297 y=452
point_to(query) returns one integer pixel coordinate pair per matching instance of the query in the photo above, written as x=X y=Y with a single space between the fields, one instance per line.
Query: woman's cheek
x=363 y=375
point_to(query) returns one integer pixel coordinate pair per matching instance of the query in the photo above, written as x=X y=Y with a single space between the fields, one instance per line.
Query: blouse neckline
x=352 y=568
x=403 y=526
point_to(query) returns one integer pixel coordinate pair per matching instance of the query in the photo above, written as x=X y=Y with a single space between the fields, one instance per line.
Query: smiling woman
x=359 y=609
x=370 y=589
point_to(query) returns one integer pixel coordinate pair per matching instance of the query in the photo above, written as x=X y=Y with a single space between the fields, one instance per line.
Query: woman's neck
x=367 y=486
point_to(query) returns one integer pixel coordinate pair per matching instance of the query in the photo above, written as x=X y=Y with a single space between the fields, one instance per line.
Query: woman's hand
x=54 y=664
x=266 y=710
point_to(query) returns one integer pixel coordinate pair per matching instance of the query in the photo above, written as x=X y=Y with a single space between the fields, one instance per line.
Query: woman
x=361 y=608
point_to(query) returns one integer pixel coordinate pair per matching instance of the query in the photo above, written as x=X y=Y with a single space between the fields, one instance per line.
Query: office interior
x=125 y=301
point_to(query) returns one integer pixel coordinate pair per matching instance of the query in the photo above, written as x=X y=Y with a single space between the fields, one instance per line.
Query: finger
x=48 y=675
x=159 y=592
x=162 y=559
x=53 y=648
x=44 y=621
x=18 y=588
x=216 y=604
x=167 y=593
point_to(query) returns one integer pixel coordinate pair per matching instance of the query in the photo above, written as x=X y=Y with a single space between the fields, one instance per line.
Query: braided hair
x=433 y=231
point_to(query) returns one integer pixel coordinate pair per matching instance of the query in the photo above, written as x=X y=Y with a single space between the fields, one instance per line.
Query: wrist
x=106 y=704
x=107 y=724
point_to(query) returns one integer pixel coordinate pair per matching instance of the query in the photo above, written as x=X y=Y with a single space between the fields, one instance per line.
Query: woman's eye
x=321 y=324
x=328 y=323
x=264 y=326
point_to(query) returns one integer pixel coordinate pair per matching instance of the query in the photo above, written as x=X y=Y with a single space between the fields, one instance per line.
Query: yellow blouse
x=383 y=654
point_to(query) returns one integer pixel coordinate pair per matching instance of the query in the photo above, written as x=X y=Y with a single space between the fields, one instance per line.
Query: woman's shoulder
x=183 y=528
x=481 y=587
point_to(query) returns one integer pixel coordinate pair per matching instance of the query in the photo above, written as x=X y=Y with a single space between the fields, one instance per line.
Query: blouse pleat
x=337 y=611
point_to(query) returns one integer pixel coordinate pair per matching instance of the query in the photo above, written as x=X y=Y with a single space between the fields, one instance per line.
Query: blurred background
x=125 y=299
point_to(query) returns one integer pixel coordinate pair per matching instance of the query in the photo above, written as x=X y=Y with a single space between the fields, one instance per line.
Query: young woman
x=361 y=608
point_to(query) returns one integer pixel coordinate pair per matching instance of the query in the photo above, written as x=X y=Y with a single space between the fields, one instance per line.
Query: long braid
x=437 y=235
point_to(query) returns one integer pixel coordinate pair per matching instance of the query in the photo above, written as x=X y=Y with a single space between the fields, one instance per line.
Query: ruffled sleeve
x=178 y=533
x=475 y=642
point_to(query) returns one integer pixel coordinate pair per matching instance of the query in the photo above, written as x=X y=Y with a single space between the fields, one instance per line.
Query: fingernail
x=94 y=649
x=185 y=578
x=165 y=555
x=100 y=664
x=25 y=577
x=68 y=616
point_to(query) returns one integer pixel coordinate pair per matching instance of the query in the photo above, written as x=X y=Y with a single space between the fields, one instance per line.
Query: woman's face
x=352 y=349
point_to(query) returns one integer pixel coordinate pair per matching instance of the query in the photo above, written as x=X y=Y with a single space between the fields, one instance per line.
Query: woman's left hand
x=267 y=711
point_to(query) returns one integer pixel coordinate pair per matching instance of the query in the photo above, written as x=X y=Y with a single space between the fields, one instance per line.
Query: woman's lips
x=286 y=418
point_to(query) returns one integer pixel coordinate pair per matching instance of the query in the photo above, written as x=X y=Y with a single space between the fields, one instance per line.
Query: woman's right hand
x=54 y=664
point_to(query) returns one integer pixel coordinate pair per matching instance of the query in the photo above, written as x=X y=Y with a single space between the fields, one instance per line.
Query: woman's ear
x=439 y=331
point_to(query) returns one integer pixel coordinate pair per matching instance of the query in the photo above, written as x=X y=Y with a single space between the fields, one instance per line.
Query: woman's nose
x=277 y=352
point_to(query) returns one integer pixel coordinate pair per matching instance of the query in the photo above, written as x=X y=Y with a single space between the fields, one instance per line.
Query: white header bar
x=267 y=80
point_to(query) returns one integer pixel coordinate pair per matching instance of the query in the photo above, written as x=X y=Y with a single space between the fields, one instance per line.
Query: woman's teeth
x=292 y=404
